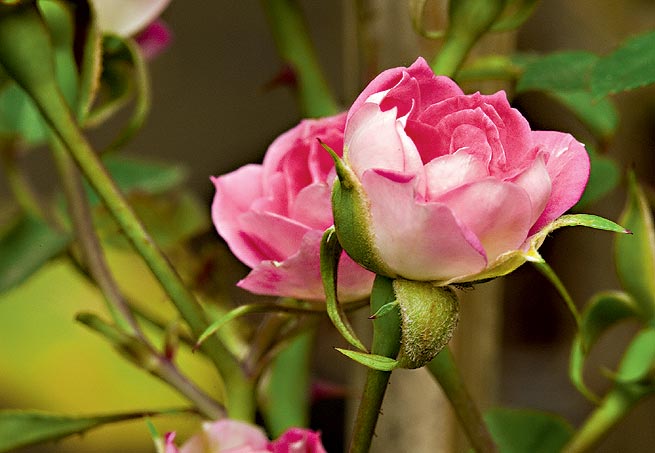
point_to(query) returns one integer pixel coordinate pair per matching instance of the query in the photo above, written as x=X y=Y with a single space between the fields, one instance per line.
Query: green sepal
x=510 y=261
x=373 y=361
x=635 y=255
x=352 y=220
x=429 y=315
x=384 y=310
x=330 y=255
x=638 y=361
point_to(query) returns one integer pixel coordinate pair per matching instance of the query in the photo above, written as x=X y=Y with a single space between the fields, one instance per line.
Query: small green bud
x=429 y=315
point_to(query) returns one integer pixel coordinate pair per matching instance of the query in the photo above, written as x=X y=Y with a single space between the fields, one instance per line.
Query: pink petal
x=227 y=436
x=235 y=192
x=453 y=170
x=313 y=206
x=298 y=440
x=154 y=39
x=536 y=182
x=169 y=444
x=275 y=237
x=497 y=212
x=419 y=241
x=299 y=276
x=567 y=163
x=374 y=139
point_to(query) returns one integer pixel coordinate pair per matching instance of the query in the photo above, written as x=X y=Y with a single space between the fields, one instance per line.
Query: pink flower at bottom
x=231 y=436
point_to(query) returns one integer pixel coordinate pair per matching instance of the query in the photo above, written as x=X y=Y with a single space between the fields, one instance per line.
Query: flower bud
x=429 y=315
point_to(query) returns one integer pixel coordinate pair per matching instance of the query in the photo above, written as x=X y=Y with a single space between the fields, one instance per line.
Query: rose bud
x=273 y=215
x=440 y=186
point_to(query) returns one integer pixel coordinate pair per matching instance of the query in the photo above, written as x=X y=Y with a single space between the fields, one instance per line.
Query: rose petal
x=299 y=276
x=154 y=39
x=227 y=436
x=453 y=170
x=313 y=206
x=126 y=17
x=275 y=237
x=536 y=182
x=298 y=440
x=497 y=212
x=419 y=241
x=373 y=139
x=235 y=192
x=567 y=163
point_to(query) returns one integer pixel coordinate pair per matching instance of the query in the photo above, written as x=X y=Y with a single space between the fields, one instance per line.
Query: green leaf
x=330 y=255
x=631 y=65
x=91 y=61
x=384 y=310
x=587 y=220
x=523 y=431
x=22 y=428
x=638 y=359
x=635 y=254
x=25 y=247
x=602 y=312
x=598 y=115
x=604 y=177
x=140 y=175
x=562 y=71
x=373 y=361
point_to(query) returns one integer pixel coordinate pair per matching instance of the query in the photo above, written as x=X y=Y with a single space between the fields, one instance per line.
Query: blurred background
x=215 y=107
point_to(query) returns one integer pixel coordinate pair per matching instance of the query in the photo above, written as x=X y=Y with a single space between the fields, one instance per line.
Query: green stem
x=295 y=47
x=386 y=342
x=451 y=56
x=27 y=56
x=444 y=370
x=616 y=405
x=18 y=184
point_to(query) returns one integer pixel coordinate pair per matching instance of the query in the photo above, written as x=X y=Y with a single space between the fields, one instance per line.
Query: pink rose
x=231 y=436
x=448 y=185
x=297 y=440
x=273 y=215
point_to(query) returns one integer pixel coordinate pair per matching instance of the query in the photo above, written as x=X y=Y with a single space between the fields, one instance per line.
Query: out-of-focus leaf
x=598 y=115
x=602 y=312
x=562 y=71
x=416 y=12
x=25 y=247
x=631 y=65
x=635 y=254
x=19 y=116
x=638 y=359
x=170 y=218
x=136 y=175
x=90 y=58
x=22 y=428
x=604 y=177
x=522 y=431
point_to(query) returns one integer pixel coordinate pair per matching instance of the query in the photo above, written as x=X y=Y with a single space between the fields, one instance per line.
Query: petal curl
x=419 y=241
x=567 y=163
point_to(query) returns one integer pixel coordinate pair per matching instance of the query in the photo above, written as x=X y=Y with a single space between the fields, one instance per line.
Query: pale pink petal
x=567 y=163
x=169 y=444
x=453 y=170
x=298 y=440
x=299 y=276
x=418 y=241
x=536 y=182
x=235 y=193
x=227 y=436
x=126 y=17
x=497 y=212
x=373 y=139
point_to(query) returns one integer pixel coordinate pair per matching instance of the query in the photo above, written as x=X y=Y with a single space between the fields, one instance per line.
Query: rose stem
x=27 y=56
x=295 y=47
x=386 y=342
x=616 y=405
x=445 y=371
x=93 y=256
